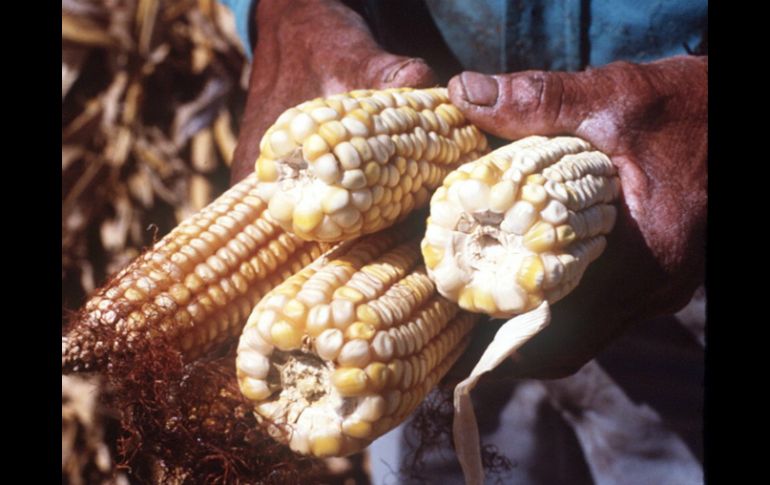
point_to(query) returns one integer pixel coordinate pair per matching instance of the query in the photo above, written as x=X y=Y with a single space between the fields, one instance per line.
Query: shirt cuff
x=242 y=11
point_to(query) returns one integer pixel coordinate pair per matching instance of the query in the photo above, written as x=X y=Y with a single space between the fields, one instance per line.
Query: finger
x=512 y=106
x=388 y=71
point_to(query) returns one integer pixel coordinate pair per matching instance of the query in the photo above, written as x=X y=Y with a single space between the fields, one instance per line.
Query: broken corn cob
x=195 y=287
x=351 y=164
x=520 y=225
x=347 y=348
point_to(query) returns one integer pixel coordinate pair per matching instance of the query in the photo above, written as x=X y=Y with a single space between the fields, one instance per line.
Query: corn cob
x=507 y=235
x=352 y=164
x=344 y=350
x=195 y=287
x=520 y=225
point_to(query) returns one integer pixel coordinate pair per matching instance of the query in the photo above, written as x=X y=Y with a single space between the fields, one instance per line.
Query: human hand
x=652 y=120
x=311 y=48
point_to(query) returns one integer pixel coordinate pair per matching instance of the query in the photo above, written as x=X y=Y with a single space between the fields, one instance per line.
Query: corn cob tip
x=520 y=225
x=336 y=168
x=77 y=358
x=68 y=359
x=345 y=349
x=94 y=336
x=83 y=349
x=194 y=288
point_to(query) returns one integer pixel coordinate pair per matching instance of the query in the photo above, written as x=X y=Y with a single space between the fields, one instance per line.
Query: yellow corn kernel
x=382 y=328
x=367 y=145
x=232 y=234
x=520 y=224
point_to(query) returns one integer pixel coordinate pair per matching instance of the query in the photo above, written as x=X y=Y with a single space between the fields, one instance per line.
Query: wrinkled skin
x=651 y=119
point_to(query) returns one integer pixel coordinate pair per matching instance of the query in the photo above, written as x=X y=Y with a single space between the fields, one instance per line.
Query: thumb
x=512 y=106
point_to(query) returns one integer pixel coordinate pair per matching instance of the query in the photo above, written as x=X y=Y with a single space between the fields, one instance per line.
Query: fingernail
x=479 y=89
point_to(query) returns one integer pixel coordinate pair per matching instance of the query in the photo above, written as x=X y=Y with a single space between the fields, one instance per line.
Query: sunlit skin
x=651 y=119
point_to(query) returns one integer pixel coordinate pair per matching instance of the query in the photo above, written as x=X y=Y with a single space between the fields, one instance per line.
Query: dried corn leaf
x=204 y=158
x=224 y=136
x=146 y=15
x=152 y=155
x=81 y=30
x=69 y=154
x=176 y=9
x=114 y=230
x=202 y=53
x=86 y=457
x=118 y=146
x=204 y=32
x=82 y=126
x=75 y=221
x=140 y=79
x=172 y=193
x=157 y=56
x=84 y=8
x=245 y=76
x=201 y=112
x=206 y=7
x=139 y=233
x=87 y=279
x=111 y=100
x=72 y=59
x=187 y=206
x=200 y=193
x=201 y=58
x=93 y=166
x=121 y=20
x=140 y=187
x=131 y=102
x=225 y=21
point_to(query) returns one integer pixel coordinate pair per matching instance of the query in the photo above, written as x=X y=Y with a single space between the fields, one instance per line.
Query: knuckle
x=526 y=90
x=538 y=94
x=414 y=73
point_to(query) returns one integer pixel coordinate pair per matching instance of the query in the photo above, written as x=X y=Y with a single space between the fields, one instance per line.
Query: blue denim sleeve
x=242 y=10
x=495 y=36
x=509 y=35
x=636 y=31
